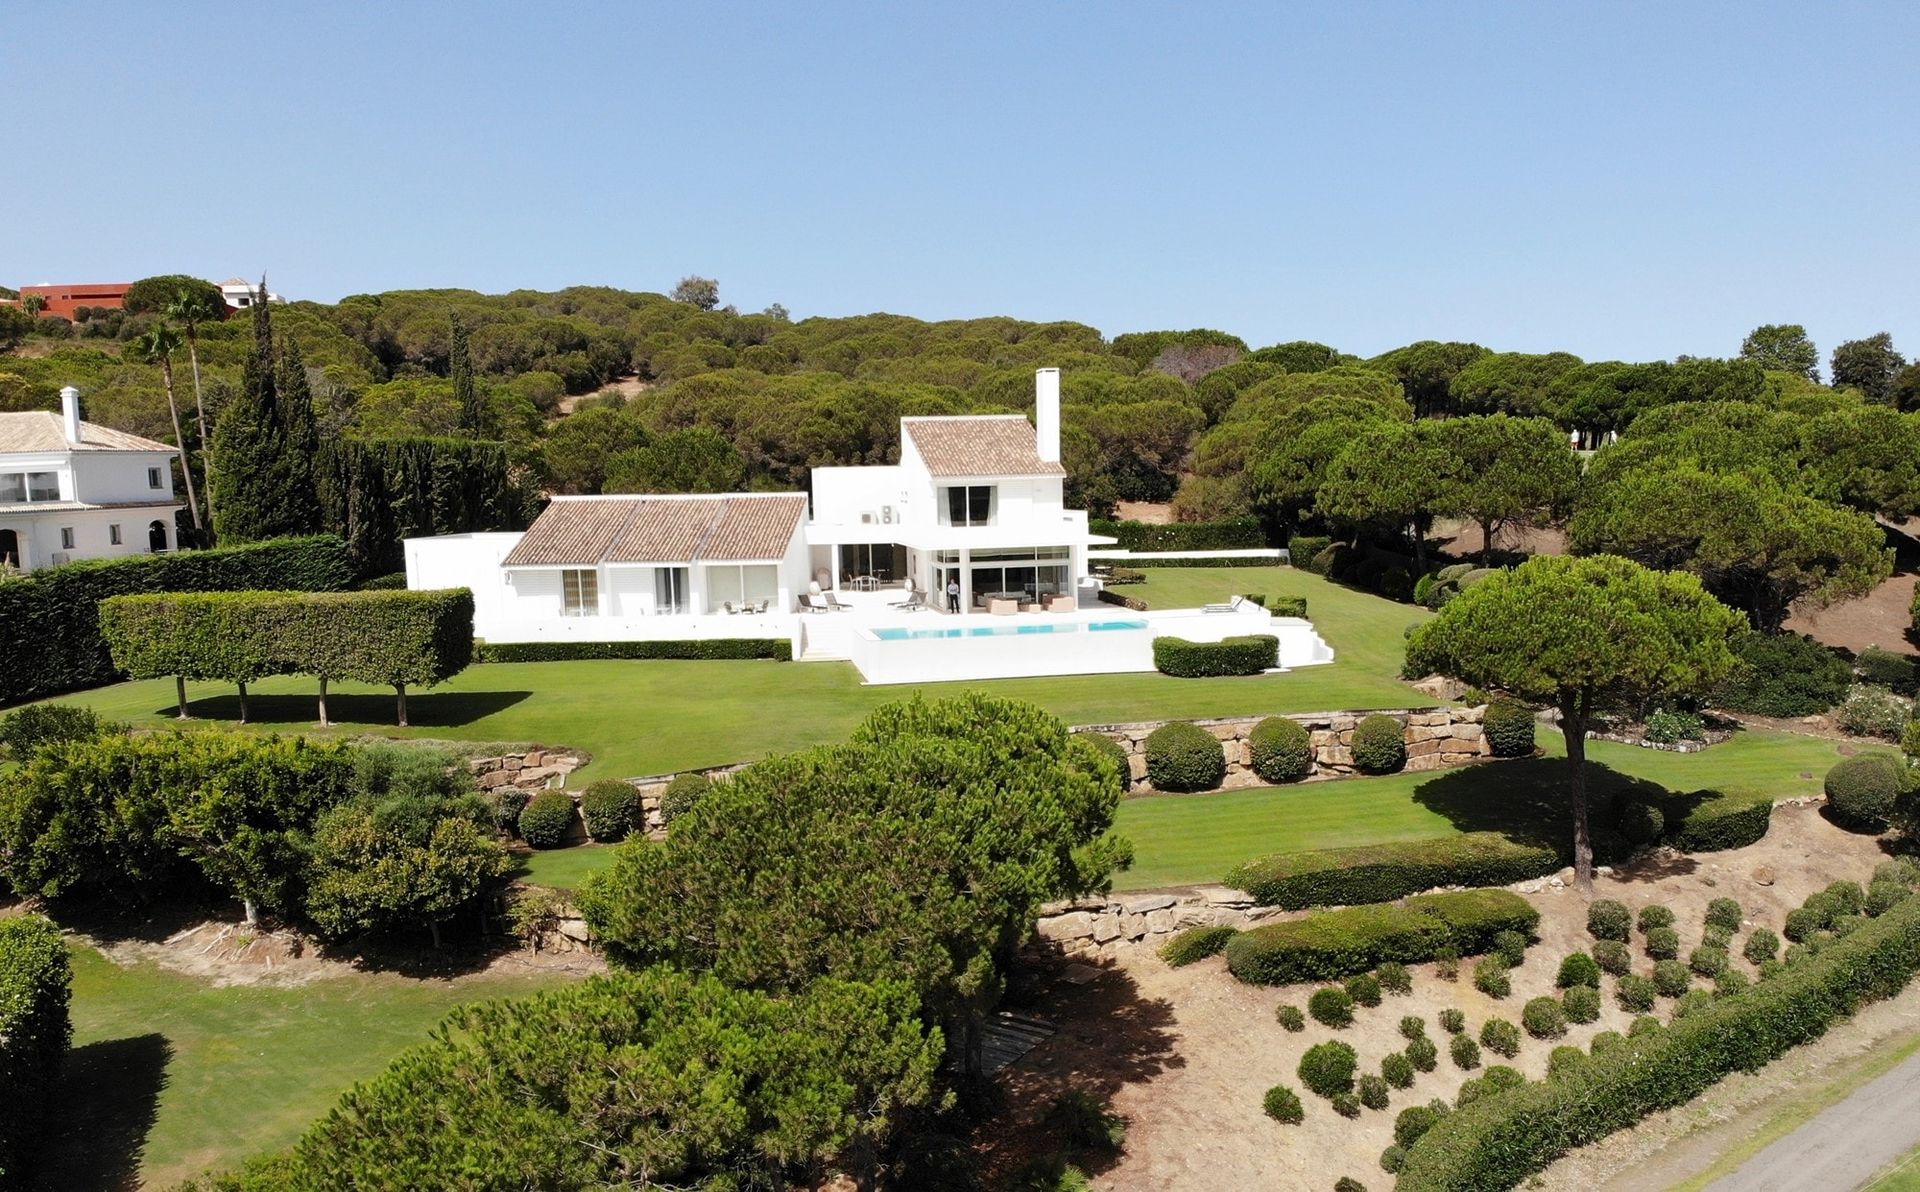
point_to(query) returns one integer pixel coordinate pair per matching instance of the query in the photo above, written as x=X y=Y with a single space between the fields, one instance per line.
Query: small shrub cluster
x=1184 y=757
x=1452 y=1021
x=1578 y=968
x=1874 y=712
x=1707 y=960
x=1331 y=1007
x=1786 y=675
x=681 y=794
x=1492 y=976
x=1364 y=989
x=1635 y=993
x=1501 y=1037
x=1608 y=919
x=1327 y=1068
x=1671 y=978
x=1397 y=1070
x=1373 y=1091
x=1465 y=1052
x=1612 y=956
x=1725 y=914
x=1282 y=1104
x=1394 y=978
x=1280 y=750
x=1762 y=945
x=1663 y=943
x=1195 y=943
x=1290 y=1017
x=1509 y=728
x=1379 y=744
x=1422 y=1054
x=1581 y=1003
x=546 y=819
x=1544 y=1018
x=1665 y=727
x=1412 y=1027
x=1654 y=915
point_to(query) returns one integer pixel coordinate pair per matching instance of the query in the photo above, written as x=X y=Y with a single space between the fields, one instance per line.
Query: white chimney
x=1046 y=414
x=70 y=413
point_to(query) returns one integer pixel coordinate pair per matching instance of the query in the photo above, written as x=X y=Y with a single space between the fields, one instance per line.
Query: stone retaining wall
x=654 y=786
x=1097 y=928
x=1435 y=737
x=537 y=769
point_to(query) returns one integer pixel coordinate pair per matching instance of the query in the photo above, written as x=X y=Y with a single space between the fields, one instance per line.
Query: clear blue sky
x=1622 y=181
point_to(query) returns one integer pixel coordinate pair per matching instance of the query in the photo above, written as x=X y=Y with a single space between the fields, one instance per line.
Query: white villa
x=860 y=569
x=73 y=490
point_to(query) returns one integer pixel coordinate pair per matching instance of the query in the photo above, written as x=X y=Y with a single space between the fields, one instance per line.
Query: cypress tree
x=293 y=407
x=473 y=414
x=265 y=443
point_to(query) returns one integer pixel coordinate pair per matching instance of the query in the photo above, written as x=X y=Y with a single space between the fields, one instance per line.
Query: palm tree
x=157 y=347
x=191 y=308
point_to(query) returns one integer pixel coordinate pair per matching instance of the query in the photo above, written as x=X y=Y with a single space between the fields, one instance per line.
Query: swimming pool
x=897 y=633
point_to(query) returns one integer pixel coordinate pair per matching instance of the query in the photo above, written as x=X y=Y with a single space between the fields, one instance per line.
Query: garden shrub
x=1509 y=728
x=1379 y=744
x=1336 y=944
x=1910 y=740
x=1502 y=1037
x=1333 y=1007
x=1886 y=668
x=1373 y=1092
x=546 y=819
x=608 y=808
x=1712 y=821
x=1635 y=993
x=1786 y=675
x=681 y=794
x=1397 y=1070
x=1612 y=956
x=1452 y=1020
x=1303 y=549
x=1364 y=989
x=1238 y=533
x=1383 y=872
x=1716 y=937
x=1861 y=790
x=1511 y=946
x=1184 y=757
x=1500 y=1077
x=1248 y=654
x=1608 y=919
x=1290 y=1017
x=1412 y=1027
x=1692 y=1002
x=1422 y=1054
x=1605 y=1043
x=1666 y=726
x=1113 y=751
x=1564 y=1059
x=1730 y=981
x=27 y=729
x=1471 y=1090
x=1904 y=870
x=1195 y=943
x=1347 y=1183
x=1671 y=978
x=1394 y=978
x=1446 y=963
x=1655 y=915
x=1465 y=1052
x=1327 y=1068
x=1883 y=896
x=1707 y=960
x=1846 y=896
x=1393 y=1158
x=1492 y=976
x=1874 y=712
x=506 y=803
x=1762 y=945
x=1280 y=750
x=1581 y=1003
x=1642 y=823
x=1544 y=1018
x=1663 y=943
x=36 y=981
x=1845 y=925
x=711 y=649
x=1803 y=921
x=1411 y=1123
x=1345 y=1104
x=1771 y=968
x=1578 y=968
x=1282 y=1104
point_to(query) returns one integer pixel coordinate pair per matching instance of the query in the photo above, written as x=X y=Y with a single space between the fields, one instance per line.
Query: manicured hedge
x=36 y=981
x=1709 y=821
x=1861 y=790
x=1303 y=549
x=1243 y=533
x=1501 y=1140
x=1280 y=750
x=608 y=808
x=1337 y=944
x=1184 y=757
x=547 y=819
x=1245 y=655
x=1509 y=728
x=50 y=637
x=707 y=649
x=1383 y=872
x=1379 y=744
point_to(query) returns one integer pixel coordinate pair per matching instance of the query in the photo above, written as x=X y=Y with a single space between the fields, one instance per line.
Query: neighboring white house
x=975 y=504
x=73 y=490
x=239 y=293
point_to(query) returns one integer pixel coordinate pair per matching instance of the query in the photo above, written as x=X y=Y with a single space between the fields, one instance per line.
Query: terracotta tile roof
x=979 y=445
x=652 y=529
x=41 y=431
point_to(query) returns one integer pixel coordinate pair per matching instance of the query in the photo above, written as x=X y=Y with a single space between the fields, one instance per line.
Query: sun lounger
x=815 y=604
x=833 y=602
x=1216 y=608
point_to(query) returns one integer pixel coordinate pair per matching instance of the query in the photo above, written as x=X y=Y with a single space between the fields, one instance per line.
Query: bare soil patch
x=1153 y=513
x=1186 y=1054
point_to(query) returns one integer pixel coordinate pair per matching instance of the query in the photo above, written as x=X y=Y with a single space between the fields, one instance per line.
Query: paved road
x=1845 y=1145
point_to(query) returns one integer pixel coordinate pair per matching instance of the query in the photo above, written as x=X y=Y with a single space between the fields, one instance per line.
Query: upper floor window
x=153 y=477
x=113 y=534
x=580 y=593
x=969 y=505
x=17 y=488
x=66 y=537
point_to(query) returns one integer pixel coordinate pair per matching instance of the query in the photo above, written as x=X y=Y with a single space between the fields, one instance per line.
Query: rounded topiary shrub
x=1413 y=1122
x=1544 y=1018
x=1379 y=745
x=1729 y=981
x=608 y=807
x=1579 y=969
x=1364 y=989
x=1110 y=749
x=1397 y=1070
x=1642 y=823
x=1761 y=946
x=1692 y=1002
x=1862 y=790
x=1613 y=956
x=1716 y=937
x=1510 y=946
x=1465 y=1052
x=1663 y=943
x=1606 y=1042
x=1883 y=896
x=1608 y=919
x=1423 y=1055
x=1327 y=1068
x=1281 y=750
x=1500 y=1037
x=1671 y=978
x=1289 y=1016
x=1581 y=1003
x=1654 y=916
x=1563 y=1059
x=547 y=819
x=1646 y=1024
x=1196 y=943
x=1393 y=1158
x=1184 y=757
x=1509 y=729
x=1634 y=993
x=1707 y=960
x=1373 y=1092
x=506 y=803
x=1347 y=1183
x=1847 y=898
x=1492 y=976
x=1331 y=1006
x=1452 y=1021
x=681 y=794
x=1345 y=1104
x=1282 y=1104
x=1725 y=914
x=1394 y=977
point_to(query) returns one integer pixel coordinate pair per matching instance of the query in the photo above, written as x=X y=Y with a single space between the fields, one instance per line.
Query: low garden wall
x=535 y=769
x=1435 y=738
x=1097 y=928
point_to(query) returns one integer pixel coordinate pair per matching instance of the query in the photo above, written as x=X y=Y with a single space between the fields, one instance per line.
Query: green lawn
x=657 y=717
x=563 y=868
x=169 y=1075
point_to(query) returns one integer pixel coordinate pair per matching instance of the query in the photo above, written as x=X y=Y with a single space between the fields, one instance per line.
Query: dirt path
x=1845 y=1146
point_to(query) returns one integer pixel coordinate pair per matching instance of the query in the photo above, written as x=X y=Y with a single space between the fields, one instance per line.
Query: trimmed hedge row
x=36 y=981
x=1384 y=872
x=706 y=649
x=1337 y=944
x=1242 y=533
x=1501 y=1140
x=50 y=637
x=1709 y=821
x=1249 y=654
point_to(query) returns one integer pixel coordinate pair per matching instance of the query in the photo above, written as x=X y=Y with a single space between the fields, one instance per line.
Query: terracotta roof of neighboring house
x=979 y=445
x=40 y=431
x=653 y=529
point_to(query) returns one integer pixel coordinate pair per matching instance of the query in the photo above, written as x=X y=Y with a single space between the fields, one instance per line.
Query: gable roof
x=40 y=431
x=582 y=531
x=979 y=445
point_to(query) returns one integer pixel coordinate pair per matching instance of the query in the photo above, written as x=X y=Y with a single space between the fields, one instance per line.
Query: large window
x=670 y=591
x=968 y=505
x=742 y=584
x=882 y=562
x=18 y=488
x=580 y=593
x=1026 y=574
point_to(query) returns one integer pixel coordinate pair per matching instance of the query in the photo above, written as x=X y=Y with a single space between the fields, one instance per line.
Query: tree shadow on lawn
x=431 y=709
x=101 y=1111
x=1527 y=798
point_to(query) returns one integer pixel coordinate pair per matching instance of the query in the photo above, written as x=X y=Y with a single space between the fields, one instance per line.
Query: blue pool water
x=895 y=633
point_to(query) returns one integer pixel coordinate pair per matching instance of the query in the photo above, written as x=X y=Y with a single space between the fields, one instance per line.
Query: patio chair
x=759 y=606
x=726 y=606
x=835 y=603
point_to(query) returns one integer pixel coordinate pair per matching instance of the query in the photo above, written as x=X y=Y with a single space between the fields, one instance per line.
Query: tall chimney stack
x=1046 y=414
x=70 y=413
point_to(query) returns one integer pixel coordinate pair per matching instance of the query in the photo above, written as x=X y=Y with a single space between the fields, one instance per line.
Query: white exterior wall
x=38 y=534
x=115 y=477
